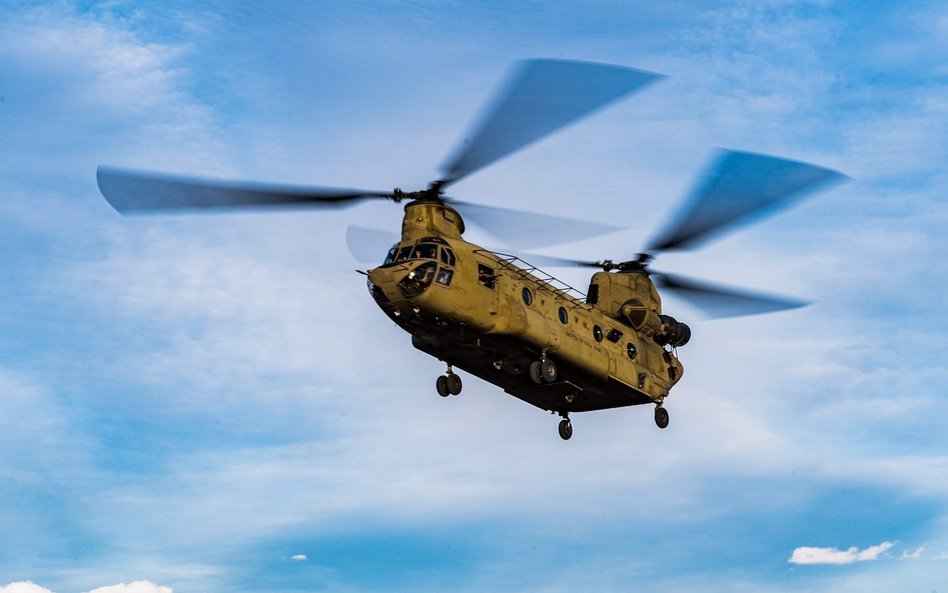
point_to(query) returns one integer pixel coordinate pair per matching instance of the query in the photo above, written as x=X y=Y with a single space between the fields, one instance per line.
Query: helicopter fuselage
x=504 y=321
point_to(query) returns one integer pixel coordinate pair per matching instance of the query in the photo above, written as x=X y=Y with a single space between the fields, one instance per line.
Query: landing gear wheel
x=442 y=386
x=453 y=383
x=536 y=373
x=661 y=417
x=548 y=370
x=565 y=429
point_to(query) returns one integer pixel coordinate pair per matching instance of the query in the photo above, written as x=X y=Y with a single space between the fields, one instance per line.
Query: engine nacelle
x=664 y=329
x=673 y=333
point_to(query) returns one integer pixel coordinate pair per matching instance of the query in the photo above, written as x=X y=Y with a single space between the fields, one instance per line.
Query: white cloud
x=245 y=311
x=24 y=587
x=133 y=587
x=810 y=555
x=914 y=554
x=124 y=75
x=81 y=86
x=39 y=443
x=300 y=557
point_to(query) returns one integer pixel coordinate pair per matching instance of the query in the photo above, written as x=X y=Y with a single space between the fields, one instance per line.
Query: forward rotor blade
x=132 y=191
x=718 y=301
x=369 y=245
x=738 y=188
x=528 y=230
x=540 y=97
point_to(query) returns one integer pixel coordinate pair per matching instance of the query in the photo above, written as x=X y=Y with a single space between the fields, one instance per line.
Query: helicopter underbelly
x=504 y=361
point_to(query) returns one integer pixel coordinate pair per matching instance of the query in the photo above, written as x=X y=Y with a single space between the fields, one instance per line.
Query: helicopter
x=492 y=314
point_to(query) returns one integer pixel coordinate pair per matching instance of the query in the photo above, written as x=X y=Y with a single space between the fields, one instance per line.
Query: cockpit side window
x=391 y=255
x=447 y=257
x=403 y=253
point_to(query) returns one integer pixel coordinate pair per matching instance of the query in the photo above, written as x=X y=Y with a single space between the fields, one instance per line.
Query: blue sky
x=213 y=403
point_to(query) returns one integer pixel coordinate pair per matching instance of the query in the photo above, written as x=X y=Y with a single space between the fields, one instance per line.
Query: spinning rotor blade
x=131 y=191
x=551 y=261
x=739 y=187
x=541 y=97
x=718 y=301
x=369 y=245
x=527 y=230
x=713 y=300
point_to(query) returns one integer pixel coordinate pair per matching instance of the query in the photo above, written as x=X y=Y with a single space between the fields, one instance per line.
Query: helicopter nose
x=382 y=284
x=376 y=291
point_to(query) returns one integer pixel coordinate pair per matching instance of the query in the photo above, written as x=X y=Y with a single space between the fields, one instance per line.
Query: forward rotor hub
x=433 y=193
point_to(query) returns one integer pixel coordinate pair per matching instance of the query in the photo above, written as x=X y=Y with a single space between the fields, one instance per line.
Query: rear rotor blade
x=718 y=301
x=132 y=191
x=541 y=97
x=713 y=300
x=529 y=230
x=551 y=261
x=739 y=187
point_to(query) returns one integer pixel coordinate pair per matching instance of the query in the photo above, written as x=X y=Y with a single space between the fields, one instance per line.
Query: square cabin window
x=485 y=276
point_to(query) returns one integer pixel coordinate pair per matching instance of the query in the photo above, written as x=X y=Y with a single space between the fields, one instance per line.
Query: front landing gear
x=566 y=427
x=448 y=384
x=661 y=416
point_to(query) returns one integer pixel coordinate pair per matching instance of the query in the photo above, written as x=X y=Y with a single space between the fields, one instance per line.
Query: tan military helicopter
x=496 y=316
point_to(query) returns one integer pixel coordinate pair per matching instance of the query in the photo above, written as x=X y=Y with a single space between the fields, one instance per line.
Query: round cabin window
x=631 y=351
x=527 y=296
x=564 y=316
x=597 y=333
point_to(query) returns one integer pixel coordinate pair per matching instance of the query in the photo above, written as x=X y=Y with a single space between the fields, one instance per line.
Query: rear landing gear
x=442 y=386
x=448 y=384
x=535 y=375
x=454 y=384
x=543 y=371
x=661 y=417
x=548 y=370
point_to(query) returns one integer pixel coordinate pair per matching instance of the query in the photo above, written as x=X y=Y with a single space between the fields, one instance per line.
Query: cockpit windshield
x=425 y=251
x=422 y=250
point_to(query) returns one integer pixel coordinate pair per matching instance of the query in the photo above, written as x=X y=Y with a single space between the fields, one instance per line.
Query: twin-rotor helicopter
x=494 y=315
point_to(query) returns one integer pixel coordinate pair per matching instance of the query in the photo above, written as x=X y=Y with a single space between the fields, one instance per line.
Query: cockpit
x=433 y=249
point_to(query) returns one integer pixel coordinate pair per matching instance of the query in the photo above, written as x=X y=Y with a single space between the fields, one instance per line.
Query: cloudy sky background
x=214 y=403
